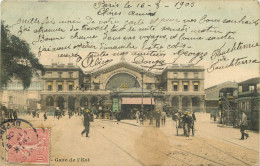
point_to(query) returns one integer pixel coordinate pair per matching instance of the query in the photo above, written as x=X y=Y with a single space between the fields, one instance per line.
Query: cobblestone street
x=128 y=143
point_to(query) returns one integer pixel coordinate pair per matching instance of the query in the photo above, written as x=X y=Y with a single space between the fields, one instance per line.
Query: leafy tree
x=17 y=60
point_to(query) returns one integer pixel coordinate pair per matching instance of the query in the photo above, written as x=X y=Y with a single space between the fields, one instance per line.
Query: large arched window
x=122 y=80
x=84 y=101
x=49 y=101
x=60 y=102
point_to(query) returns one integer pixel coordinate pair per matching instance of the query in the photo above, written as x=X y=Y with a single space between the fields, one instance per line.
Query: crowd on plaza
x=88 y=115
x=6 y=114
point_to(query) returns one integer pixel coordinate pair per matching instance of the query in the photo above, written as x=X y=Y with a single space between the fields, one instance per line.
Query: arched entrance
x=124 y=80
x=71 y=103
x=60 y=102
x=94 y=103
x=175 y=103
x=49 y=101
x=196 y=104
x=83 y=101
x=185 y=103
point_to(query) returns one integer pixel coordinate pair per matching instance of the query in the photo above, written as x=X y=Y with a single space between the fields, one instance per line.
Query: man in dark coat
x=15 y=114
x=86 y=123
x=158 y=118
x=45 y=116
x=243 y=126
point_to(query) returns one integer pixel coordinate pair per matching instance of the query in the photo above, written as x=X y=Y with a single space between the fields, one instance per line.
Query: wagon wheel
x=177 y=127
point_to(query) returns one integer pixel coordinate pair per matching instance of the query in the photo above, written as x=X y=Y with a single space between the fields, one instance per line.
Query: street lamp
x=151 y=100
x=142 y=104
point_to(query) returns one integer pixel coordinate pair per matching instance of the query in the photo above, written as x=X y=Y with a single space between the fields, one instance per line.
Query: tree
x=17 y=60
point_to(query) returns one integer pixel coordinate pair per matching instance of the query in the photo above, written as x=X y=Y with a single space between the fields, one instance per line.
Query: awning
x=175 y=83
x=59 y=83
x=70 y=83
x=196 y=83
x=49 y=83
x=146 y=101
x=185 y=83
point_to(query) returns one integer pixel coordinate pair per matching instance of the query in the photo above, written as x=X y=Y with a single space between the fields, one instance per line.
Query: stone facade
x=176 y=87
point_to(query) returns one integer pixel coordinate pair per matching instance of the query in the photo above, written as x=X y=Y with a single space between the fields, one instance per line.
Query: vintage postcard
x=129 y=83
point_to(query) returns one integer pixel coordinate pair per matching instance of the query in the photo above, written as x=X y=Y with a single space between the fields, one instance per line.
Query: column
x=65 y=87
x=202 y=105
x=66 y=102
x=119 y=104
x=190 y=102
x=190 y=86
x=54 y=85
x=77 y=102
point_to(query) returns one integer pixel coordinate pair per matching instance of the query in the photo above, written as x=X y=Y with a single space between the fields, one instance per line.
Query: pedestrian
x=86 y=122
x=163 y=117
x=243 y=125
x=137 y=115
x=151 y=117
x=157 y=118
x=193 y=116
x=118 y=116
x=11 y=113
x=186 y=120
x=142 y=118
x=58 y=112
x=15 y=114
x=45 y=116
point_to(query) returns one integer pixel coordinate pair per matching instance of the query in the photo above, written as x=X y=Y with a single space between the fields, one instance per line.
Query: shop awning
x=146 y=101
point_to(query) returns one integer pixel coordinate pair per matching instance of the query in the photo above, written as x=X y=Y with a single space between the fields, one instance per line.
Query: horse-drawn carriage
x=185 y=123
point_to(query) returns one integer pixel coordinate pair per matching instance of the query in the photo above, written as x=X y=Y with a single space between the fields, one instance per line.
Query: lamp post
x=151 y=100
x=142 y=104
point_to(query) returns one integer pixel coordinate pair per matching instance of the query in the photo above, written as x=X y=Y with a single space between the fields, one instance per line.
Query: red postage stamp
x=28 y=145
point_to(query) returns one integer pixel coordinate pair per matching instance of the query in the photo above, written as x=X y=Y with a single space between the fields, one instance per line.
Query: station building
x=123 y=87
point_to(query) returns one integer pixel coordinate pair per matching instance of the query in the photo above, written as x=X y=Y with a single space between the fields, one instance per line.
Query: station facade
x=123 y=87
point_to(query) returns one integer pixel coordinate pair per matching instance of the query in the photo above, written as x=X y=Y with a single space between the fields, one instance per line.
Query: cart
x=186 y=127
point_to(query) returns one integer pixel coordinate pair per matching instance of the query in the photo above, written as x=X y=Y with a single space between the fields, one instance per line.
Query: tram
x=227 y=109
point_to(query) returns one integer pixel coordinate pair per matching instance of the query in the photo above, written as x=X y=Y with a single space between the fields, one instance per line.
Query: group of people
x=160 y=117
x=58 y=113
x=6 y=114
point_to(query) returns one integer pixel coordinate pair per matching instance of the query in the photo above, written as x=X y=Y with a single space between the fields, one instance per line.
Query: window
x=240 y=89
x=251 y=88
x=70 y=74
x=49 y=101
x=60 y=74
x=71 y=85
x=258 y=87
x=185 y=86
x=175 y=75
x=149 y=86
x=59 y=86
x=175 y=86
x=96 y=87
x=196 y=86
x=49 y=84
x=196 y=75
x=185 y=75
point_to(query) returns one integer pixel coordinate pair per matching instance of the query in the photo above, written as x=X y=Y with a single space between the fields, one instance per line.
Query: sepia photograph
x=130 y=83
